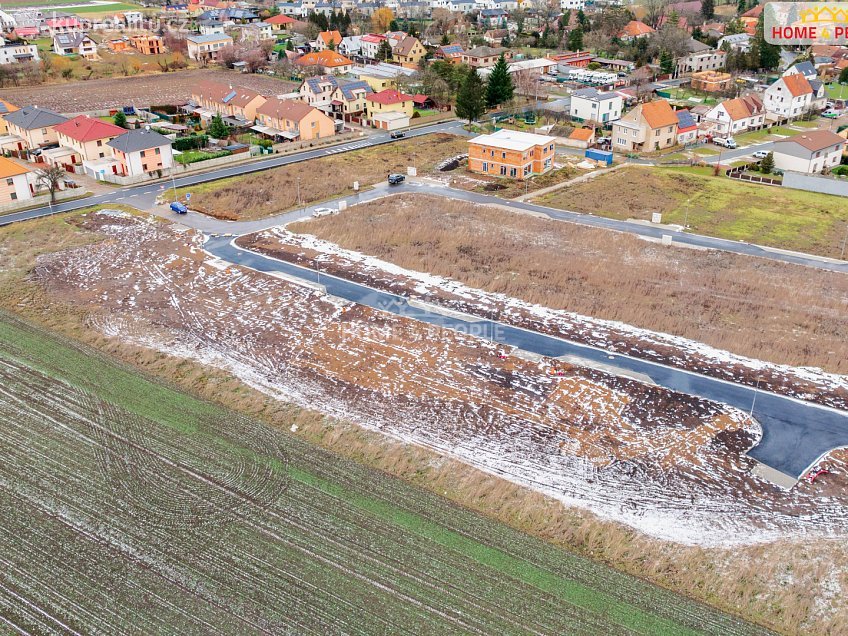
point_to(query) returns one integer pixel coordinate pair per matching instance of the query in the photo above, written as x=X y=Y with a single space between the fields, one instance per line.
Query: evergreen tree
x=384 y=52
x=769 y=53
x=218 y=129
x=445 y=40
x=394 y=26
x=583 y=21
x=767 y=164
x=741 y=7
x=666 y=63
x=289 y=45
x=120 y=119
x=470 y=101
x=499 y=88
x=843 y=76
x=274 y=10
x=708 y=9
x=575 y=39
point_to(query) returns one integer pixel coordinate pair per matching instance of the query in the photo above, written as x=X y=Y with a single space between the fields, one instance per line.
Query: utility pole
x=844 y=241
x=754 y=401
x=174 y=184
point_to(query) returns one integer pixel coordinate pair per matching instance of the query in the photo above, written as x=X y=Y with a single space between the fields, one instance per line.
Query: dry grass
x=263 y=194
x=715 y=206
x=777 y=312
x=777 y=584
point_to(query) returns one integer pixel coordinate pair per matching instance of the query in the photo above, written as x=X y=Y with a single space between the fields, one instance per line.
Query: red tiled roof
x=635 y=29
x=330 y=36
x=658 y=114
x=280 y=19
x=329 y=59
x=797 y=84
x=84 y=128
x=390 y=96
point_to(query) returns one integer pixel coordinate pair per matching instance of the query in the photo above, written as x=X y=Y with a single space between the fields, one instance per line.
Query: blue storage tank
x=599 y=155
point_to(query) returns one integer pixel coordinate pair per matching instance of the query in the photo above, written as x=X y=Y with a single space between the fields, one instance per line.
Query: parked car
x=397 y=134
x=830 y=114
x=725 y=142
x=396 y=179
x=178 y=207
x=761 y=154
x=324 y=212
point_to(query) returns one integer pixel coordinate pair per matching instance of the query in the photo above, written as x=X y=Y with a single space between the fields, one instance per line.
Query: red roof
x=280 y=19
x=390 y=96
x=419 y=98
x=62 y=22
x=26 y=31
x=373 y=37
x=84 y=128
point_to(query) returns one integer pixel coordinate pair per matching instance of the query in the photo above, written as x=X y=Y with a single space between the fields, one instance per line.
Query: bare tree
x=654 y=10
x=50 y=178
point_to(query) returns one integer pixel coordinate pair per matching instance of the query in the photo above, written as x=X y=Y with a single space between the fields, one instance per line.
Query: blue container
x=603 y=156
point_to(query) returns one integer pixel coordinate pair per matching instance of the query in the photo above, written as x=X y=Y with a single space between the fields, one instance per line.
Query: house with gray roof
x=34 y=126
x=75 y=43
x=589 y=104
x=141 y=152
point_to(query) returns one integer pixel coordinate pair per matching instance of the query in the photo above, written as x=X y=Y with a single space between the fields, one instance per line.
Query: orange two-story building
x=511 y=154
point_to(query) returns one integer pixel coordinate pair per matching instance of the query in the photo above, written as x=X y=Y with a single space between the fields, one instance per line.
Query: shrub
x=192 y=142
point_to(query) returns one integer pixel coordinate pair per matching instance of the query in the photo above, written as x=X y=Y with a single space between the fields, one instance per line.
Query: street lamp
x=754 y=401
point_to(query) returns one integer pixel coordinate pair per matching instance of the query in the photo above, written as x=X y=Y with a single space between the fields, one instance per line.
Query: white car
x=760 y=154
x=324 y=212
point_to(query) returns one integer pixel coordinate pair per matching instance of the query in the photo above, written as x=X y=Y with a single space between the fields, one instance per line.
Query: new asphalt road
x=795 y=433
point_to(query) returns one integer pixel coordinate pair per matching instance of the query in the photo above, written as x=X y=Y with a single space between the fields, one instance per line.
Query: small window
x=99 y=142
x=158 y=151
x=10 y=182
x=14 y=196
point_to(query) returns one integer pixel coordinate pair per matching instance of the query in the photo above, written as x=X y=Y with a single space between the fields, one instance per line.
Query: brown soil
x=270 y=192
x=143 y=90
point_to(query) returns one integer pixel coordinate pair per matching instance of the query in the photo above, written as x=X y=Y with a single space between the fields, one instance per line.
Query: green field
x=715 y=206
x=130 y=507
x=837 y=91
x=105 y=9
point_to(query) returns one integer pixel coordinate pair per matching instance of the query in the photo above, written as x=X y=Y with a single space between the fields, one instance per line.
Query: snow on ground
x=667 y=464
x=802 y=382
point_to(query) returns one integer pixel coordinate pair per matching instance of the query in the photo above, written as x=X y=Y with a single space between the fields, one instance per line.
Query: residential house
x=687 y=128
x=449 y=52
x=75 y=44
x=62 y=24
x=619 y=66
x=292 y=120
x=820 y=94
x=809 y=152
x=328 y=40
x=148 y=44
x=511 y=154
x=210 y=27
x=14 y=182
x=494 y=37
x=734 y=116
x=581 y=138
x=740 y=42
x=5 y=109
x=389 y=109
x=207 y=46
x=84 y=138
x=120 y=45
x=408 y=52
x=492 y=18
x=348 y=99
x=35 y=126
x=18 y=52
x=634 y=30
x=318 y=91
x=804 y=68
x=789 y=97
x=589 y=104
x=141 y=152
x=572 y=5
x=351 y=46
x=327 y=61
x=370 y=45
x=293 y=9
x=648 y=127
x=256 y=32
x=574 y=59
x=703 y=60
x=484 y=56
x=235 y=104
x=280 y=22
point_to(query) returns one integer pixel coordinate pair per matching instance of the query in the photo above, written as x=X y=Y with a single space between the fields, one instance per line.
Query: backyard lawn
x=715 y=206
x=837 y=91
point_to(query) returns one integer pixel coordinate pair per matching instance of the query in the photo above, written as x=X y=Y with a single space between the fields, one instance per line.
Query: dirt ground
x=140 y=90
x=256 y=196
x=148 y=285
x=715 y=206
x=771 y=311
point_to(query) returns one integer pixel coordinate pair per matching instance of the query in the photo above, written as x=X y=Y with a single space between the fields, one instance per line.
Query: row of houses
x=81 y=144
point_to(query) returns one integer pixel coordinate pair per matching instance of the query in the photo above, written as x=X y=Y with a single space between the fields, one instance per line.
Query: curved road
x=795 y=433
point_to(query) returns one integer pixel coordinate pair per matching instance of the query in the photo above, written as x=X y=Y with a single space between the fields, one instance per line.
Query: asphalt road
x=146 y=193
x=795 y=433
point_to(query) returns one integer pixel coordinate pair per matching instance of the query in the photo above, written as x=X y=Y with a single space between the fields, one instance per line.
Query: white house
x=736 y=42
x=75 y=44
x=736 y=115
x=17 y=53
x=790 y=96
x=207 y=47
x=803 y=68
x=589 y=104
x=809 y=152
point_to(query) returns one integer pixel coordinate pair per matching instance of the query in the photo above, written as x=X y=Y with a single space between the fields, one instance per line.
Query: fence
x=41 y=200
x=816 y=183
x=739 y=173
